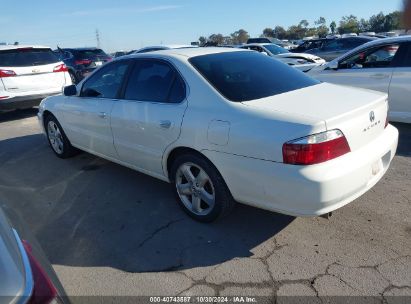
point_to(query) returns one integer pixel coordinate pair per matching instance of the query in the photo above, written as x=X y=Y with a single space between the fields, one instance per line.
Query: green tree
x=216 y=38
x=240 y=36
x=393 y=21
x=268 y=32
x=364 y=25
x=279 y=32
x=377 y=23
x=333 y=27
x=322 y=29
x=349 y=24
x=303 y=23
x=202 y=40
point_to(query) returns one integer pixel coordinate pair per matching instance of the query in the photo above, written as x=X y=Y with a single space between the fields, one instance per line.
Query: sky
x=126 y=24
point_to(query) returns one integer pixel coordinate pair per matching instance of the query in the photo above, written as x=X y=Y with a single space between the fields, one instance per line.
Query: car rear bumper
x=307 y=190
x=23 y=102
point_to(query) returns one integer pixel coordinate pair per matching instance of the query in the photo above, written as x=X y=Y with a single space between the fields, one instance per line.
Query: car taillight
x=7 y=73
x=43 y=290
x=316 y=148
x=60 y=68
x=82 y=62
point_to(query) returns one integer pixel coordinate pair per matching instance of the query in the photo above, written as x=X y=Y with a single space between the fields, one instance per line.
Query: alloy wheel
x=195 y=189
x=55 y=137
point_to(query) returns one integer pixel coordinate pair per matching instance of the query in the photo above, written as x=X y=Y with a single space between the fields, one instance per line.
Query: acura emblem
x=372 y=116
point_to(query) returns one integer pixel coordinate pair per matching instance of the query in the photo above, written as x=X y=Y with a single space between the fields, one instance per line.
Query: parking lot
x=108 y=230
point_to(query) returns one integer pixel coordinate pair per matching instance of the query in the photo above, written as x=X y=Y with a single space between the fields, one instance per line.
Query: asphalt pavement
x=111 y=231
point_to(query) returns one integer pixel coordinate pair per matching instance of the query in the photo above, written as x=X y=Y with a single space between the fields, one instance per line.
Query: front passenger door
x=87 y=116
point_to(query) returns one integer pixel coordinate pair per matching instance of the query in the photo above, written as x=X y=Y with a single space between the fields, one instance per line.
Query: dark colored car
x=310 y=44
x=26 y=276
x=258 y=40
x=82 y=61
x=337 y=47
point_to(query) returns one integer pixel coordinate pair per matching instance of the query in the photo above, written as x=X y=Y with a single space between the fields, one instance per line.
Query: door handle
x=165 y=124
x=379 y=76
x=102 y=115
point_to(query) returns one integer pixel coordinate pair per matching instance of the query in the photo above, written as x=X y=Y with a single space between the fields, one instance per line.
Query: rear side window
x=27 y=57
x=154 y=80
x=243 y=76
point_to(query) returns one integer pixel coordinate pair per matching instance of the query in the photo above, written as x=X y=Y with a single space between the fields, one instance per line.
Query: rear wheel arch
x=178 y=151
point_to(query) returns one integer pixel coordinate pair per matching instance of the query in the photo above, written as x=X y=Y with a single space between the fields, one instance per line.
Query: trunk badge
x=35 y=71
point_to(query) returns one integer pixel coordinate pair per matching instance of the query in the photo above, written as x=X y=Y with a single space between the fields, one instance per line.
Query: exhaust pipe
x=327 y=215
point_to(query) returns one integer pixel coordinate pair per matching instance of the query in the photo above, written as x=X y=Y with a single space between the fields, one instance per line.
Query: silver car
x=25 y=274
x=337 y=47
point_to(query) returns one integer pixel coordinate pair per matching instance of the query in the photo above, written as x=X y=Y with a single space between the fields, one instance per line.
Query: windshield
x=243 y=76
x=275 y=49
x=27 y=57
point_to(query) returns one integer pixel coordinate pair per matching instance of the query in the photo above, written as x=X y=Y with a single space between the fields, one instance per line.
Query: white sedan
x=383 y=65
x=301 y=61
x=222 y=126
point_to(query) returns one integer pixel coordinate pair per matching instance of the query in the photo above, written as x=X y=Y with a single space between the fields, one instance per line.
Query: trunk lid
x=360 y=114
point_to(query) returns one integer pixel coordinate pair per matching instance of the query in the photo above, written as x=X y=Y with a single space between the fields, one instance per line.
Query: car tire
x=73 y=77
x=57 y=139
x=200 y=189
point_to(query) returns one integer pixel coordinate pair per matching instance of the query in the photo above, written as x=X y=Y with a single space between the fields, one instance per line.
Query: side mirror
x=70 y=90
x=333 y=65
x=264 y=53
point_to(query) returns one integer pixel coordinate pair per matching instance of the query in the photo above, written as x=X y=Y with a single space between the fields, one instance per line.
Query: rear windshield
x=243 y=76
x=89 y=54
x=27 y=57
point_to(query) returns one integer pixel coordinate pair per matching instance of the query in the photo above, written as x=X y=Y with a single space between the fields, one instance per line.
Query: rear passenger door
x=148 y=118
x=400 y=88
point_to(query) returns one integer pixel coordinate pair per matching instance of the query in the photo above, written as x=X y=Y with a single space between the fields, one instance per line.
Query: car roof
x=82 y=48
x=358 y=38
x=22 y=46
x=188 y=52
x=389 y=40
x=168 y=46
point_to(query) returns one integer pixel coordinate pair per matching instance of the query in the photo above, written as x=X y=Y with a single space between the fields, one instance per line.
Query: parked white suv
x=28 y=74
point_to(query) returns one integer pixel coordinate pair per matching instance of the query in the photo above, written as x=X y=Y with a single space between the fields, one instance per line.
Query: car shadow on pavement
x=404 y=142
x=18 y=114
x=87 y=212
